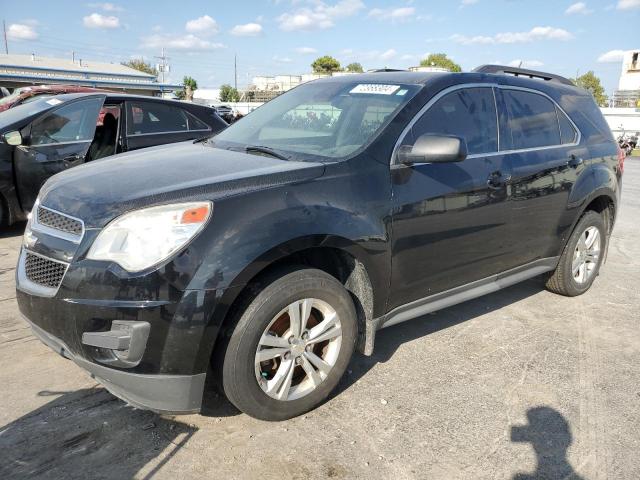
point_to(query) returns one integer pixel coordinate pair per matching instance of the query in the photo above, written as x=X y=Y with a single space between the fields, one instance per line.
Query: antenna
x=163 y=66
x=6 y=45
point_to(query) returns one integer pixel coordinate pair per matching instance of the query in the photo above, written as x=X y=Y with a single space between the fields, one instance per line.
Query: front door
x=56 y=141
x=450 y=220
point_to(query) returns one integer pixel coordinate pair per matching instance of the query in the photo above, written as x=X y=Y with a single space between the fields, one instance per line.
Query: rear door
x=57 y=140
x=156 y=123
x=450 y=220
x=542 y=146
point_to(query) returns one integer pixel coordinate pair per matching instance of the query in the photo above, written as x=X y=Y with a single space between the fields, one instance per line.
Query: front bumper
x=159 y=393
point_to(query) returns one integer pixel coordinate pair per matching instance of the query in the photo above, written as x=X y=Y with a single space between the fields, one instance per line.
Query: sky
x=270 y=37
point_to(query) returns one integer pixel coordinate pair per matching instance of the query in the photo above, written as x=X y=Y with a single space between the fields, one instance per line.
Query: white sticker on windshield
x=54 y=101
x=375 y=88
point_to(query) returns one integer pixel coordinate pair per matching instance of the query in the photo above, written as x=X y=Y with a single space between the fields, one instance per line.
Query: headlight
x=143 y=238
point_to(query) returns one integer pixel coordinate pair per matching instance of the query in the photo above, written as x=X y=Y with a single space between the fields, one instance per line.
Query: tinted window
x=70 y=123
x=532 y=120
x=196 y=123
x=568 y=134
x=469 y=113
x=150 y=117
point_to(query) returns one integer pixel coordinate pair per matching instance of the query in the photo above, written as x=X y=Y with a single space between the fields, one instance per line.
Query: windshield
x=20 y=112
x=321 y=119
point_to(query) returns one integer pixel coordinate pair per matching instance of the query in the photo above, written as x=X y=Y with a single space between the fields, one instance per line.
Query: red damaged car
x=27 y=94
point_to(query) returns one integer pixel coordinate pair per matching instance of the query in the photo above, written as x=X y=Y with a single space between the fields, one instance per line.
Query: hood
x=99 y=191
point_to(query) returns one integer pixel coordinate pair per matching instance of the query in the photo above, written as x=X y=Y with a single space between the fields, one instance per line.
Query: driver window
x=469 y=113
x=75 y=122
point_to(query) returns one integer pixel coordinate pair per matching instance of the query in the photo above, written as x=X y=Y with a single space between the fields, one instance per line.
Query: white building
x=628 y=93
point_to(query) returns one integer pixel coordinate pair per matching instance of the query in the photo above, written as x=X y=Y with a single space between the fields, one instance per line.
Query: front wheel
x=580 y=262
x=291 y=346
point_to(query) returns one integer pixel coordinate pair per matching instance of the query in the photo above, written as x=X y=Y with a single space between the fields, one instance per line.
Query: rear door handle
x=575 y=162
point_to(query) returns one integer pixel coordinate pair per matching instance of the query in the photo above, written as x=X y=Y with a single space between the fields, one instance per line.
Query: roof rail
x=378 y=70
x=522 y=72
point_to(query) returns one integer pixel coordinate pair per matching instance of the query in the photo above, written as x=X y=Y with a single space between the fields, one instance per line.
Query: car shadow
x=14 y=230
x=88 y=433
x=549 y=434
x=389 y=339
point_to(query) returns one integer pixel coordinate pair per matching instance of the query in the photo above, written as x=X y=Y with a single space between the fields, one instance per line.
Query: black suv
x=267 y=253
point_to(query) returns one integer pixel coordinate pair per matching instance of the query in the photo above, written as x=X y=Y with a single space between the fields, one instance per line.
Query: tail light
x=621 y=157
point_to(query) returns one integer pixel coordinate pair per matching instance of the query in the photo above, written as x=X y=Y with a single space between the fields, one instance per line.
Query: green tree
x=592 y=84
x=354 y=67
x=229 y=94
x=141 y=66
x=325 y=64
x=189 y=85
x=440 y=60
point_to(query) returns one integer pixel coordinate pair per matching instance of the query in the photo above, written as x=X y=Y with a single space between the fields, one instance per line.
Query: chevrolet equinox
x=266 y=254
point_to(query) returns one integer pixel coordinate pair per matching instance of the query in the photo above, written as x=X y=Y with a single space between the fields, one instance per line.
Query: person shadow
x=549 y=434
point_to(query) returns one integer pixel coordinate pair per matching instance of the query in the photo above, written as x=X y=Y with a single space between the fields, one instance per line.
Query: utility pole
x=6 y=45
x=235 y=70
x=163 y=65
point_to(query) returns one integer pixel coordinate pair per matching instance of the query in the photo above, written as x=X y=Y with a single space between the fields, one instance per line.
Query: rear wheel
x=580 y=262
x=290 y=346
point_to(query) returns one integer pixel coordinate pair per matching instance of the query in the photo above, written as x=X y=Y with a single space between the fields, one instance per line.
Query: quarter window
x=75 y=122
x=568 y=133
x=532 y=120
x=469 y=113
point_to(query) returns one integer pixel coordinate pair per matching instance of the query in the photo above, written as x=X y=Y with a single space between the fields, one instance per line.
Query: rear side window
x=469 y=113
x=195 y=123
x=144 y=118
x=532 y=120
x=568 y=133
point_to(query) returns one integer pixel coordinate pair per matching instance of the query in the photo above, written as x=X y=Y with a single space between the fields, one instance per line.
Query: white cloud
x=536 y=33
x=628 y=4
x=306 y=50
x=279 y=59
x=179 y=42
x=466 y=3
x=320 y=17
x=97 y=20
x=525 y=63
x=393 y=14
x=247 y=30
x=21 y=31
x=388 y=54
x=107 y=7
x=578 y=8
x=612 y=56
x=204 y=24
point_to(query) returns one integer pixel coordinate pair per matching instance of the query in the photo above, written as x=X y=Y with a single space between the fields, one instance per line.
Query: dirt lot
x=519 y=384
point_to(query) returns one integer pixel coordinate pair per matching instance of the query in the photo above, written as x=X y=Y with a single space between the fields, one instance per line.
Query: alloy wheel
x=298 y=349
x=586 y=255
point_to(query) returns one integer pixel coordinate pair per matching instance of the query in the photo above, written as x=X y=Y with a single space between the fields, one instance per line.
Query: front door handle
x=575 y=162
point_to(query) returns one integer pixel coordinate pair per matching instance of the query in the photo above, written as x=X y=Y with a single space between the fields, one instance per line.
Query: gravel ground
x=519 y=384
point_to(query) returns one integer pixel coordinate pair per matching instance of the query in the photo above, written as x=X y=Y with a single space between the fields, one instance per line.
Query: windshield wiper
x=266 y=150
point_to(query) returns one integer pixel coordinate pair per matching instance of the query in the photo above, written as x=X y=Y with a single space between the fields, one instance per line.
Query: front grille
x=44 y=271
x=58 y=221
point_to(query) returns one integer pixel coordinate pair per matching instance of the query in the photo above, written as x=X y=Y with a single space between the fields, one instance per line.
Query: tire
x=564 y=281
x=249 y=383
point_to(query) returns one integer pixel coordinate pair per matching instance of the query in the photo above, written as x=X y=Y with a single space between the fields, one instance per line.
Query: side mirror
x=13 y=138
x=433 y=149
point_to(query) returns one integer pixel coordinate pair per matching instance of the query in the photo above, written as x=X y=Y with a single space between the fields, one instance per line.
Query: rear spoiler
x=523 y=72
